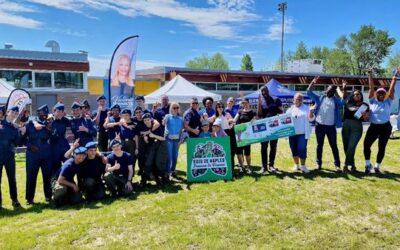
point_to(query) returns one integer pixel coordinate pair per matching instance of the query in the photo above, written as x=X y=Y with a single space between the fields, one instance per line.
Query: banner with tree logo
x=266 y=129
x=208 y=159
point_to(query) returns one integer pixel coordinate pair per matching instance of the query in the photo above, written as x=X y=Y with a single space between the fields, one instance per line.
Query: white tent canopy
x=5 y=91
x=180 y=90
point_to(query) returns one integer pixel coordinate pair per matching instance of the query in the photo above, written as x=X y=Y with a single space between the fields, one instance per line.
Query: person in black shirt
x=268 y=106
x=352 y=126
x=192 y=119
x=112 y=122
x=246 y=114
x=99 y=119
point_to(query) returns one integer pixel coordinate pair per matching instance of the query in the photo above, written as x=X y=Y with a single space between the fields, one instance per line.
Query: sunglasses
x=195 y=103
x=175 y=108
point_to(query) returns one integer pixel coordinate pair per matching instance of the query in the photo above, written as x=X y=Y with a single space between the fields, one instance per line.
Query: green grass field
x=288 y=210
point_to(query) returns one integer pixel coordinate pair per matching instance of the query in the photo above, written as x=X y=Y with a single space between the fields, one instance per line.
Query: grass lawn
x=318 y=210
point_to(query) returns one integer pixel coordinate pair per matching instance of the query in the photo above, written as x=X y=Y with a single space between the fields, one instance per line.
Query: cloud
x=229 y=46
x=68 y=32
x=10 y=14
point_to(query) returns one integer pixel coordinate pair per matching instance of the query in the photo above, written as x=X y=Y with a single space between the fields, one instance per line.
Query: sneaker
x=29 y=202
x=263 y=170
x=296 y=168
x=304 y=169
x=377 y=171
x=338 y=170
x=272 y=169
x=353 y=169
x=174 y=175
x=318 y=167
x=16 y=204
x=249 y=169
x=345 y=169
x=368 y=169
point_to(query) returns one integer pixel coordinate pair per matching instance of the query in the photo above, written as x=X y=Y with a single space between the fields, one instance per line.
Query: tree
x=301 y=52
x=217 y=61
x=393 y=62
x=338 y=62
x=247 y=64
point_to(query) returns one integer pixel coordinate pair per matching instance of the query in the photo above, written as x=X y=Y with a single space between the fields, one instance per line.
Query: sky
x=171 y=32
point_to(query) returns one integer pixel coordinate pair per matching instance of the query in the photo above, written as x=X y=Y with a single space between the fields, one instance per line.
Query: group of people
x=109 y=141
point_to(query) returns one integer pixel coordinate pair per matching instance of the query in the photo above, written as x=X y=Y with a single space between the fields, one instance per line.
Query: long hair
x=129 y=80
x=216 y=109
x=351 y=99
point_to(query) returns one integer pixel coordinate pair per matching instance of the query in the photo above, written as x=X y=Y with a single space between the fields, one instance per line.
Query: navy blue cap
x=3 y=109
x=138 y=108
x=146 y=115
x=114 y=142
x=102 y=97
x=139 y=97
x=14 y=108
x=59 y=106
x=91 y=145
x=116 y=106
x=76 y=105
x=80 y=151
x=86 y=103
x=126 y=111
x=44 y=109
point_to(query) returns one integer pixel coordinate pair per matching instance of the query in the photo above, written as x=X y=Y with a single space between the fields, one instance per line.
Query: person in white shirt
x=301 y=116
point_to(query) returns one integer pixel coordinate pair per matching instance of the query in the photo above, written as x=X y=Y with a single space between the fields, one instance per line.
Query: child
x=205 y=130
x=216 y=129
x=122 y=83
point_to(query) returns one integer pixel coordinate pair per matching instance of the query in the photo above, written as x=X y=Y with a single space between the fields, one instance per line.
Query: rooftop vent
x=55 y=47
x=8 y=46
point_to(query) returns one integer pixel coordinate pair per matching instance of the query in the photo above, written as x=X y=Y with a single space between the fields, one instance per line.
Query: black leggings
x=382 y=133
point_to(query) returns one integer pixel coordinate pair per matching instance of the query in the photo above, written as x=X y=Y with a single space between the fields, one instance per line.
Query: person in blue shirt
x=380 y=127
x=208 y=109
x=81 y=126
x=173 y=130
x=9 y=138
x=127 y=134
x=192 y=119
x=99 y=118
x=112 y=122
x=205 y=133
x=119 y=170
x=37 y=133
x=58 y=141
x=328 y=118
x=231 y=108
x=65 y=190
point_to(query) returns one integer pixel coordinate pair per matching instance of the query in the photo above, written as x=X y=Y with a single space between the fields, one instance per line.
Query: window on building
x=16 y=78
x=227 y=86
x=300 y=87
x=357 y=87
x=42 y=80
x=68 y=80
x=248 y=87
x=206 y=86
x=319 y=87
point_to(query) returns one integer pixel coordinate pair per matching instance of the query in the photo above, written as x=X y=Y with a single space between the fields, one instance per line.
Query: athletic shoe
x=304 y=169
x=338 y=170
x=353 y=169
x=296 y=168
x=272 y=169
x=345 y=169
x=318 y=167
x=377 y=171
x=16 y=204
x=368 y=169
x=263 y=170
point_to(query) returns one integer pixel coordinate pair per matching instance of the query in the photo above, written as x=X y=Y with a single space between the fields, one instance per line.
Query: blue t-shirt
x=193 y=118
x=174 y=125
x=69 y=169
x=115 y=129
x=379 y=111
x=210 y=112
x=205 y=134
x=233 y=111
x=124 y=161
x=128 y=132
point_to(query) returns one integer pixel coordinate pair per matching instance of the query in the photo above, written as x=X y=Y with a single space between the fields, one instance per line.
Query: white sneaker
x=304 y=169
x=296 y=168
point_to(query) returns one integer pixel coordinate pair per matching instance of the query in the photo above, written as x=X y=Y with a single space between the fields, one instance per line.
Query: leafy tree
x=393 y=62
x=247 y=64
x=301 y=52
x=338 y=62
x=217 y=61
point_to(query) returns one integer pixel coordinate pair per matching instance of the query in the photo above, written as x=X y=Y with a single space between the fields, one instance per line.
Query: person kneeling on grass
x=119 y=170
x=65 y=191
x=301 y=117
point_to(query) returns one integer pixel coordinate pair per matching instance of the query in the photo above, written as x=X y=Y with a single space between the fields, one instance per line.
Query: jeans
x=330 y=132
x=298 y=146
x=172 y=155
x=351 y=134
x=272 y=153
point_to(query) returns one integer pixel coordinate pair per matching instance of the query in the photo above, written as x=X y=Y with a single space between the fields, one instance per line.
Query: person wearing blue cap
x=82 y=127
x=9 y=138
x=99 y=118
x=65 y=190
x=119 y=170
x=156 y=152
x=37 y=133
x=112 y=122
x=59 y=143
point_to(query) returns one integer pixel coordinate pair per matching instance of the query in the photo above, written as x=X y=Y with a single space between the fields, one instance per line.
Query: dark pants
x=330 y=132
x=272 y=153
x=351 y=134
x=8 y=160
x=232 y=141
x=141 y=157
x=34 y=162
x=116 y=184
x=156 y=159
x=58 y=150
x=102 y=140
x=382 y=133
x=93 y=189
x=129 y=146
x=63 y=195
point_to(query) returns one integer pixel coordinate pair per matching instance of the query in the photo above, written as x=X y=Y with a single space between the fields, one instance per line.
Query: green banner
x=266 y=129
x=208 y=159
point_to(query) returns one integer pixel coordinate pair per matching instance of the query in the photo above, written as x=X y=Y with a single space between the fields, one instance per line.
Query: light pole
x=282 y=7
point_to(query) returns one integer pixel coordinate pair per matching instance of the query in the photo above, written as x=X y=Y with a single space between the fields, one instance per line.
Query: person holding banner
x=268 y=106
x=380 y=127
x=100 y=118
x=122 y=82
x=356 y=111
x=246 y=114
x=9 y=138
x=301 y=116
x=328 y=118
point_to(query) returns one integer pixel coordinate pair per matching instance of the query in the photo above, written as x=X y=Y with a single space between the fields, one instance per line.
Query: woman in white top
x=301 y=117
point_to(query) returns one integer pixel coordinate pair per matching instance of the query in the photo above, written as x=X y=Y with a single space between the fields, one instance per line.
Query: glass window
x=319 y=87
x=42 y=80
x=298 y=87
x=68 y=80
x=17 y=79
x=227 y=86
x=248 y=87
x=206 y=86
x=358 y=87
